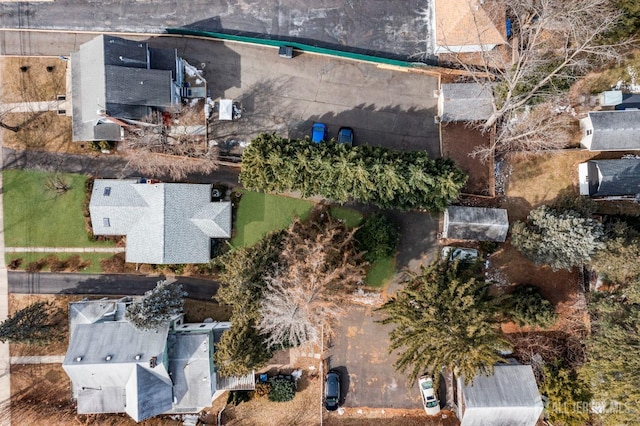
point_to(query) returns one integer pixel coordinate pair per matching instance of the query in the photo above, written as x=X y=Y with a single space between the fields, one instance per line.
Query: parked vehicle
x=429 y=400
x=318 y=132
x=345 y=135
x=332 y=391
x=459 y=253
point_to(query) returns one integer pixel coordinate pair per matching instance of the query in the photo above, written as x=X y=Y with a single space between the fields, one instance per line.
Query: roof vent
x=78 y=358
x=138 y=357
x=108 y=358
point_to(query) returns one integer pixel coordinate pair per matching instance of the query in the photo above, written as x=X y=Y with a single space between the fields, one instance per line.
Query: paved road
x=105 y=166
x=105 y=284
x=401 y=27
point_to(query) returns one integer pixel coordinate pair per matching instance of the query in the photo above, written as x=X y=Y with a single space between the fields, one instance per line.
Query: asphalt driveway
x=386 y=107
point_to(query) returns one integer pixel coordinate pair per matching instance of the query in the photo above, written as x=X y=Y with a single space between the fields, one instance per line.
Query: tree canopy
x=37 y=323
x=157 y=306
x=368 y=174
x=445 y=317
x=612 y=369
x=560 y=239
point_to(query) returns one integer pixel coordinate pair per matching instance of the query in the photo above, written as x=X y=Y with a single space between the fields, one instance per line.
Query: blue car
x=318 y=132
x=345 y=135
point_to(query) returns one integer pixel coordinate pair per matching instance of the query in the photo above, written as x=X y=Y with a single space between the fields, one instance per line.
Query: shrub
x=238 y=397
x=562 y=388
x=113 y=265
x=57 y=265
x=15 y=264
x=75 y=263
x=526 y=306
x=282 y=390
x=263 y=389
x=377 y=238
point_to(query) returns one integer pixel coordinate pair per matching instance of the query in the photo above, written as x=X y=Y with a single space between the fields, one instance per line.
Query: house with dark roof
x=116 y=368
x=165 y=223
x=115 y=80
x=610 y=178
x=475 y=224
x=464 y=102
x=468 y=26
x=509 y=396
x=611 y=130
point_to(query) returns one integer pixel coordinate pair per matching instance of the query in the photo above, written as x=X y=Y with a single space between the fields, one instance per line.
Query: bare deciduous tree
x=319 y=266
x=553 y=43
x=156 y=148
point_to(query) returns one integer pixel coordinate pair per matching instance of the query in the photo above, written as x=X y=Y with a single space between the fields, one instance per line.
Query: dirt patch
x=37 y=79
x=199 y=310
x=458 y=140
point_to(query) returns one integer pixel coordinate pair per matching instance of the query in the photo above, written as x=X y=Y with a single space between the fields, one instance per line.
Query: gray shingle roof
x=615 y=130
x=164 y=223
x=614 y=177
x=465 y=102
x=475 y=223
x=105 y=77
x=509 y=397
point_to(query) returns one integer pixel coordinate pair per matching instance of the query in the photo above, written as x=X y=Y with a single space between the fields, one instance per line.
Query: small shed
x=508 y=397
x=475 y=223
x=464 y=102
x=610 y=98
x=610 y=178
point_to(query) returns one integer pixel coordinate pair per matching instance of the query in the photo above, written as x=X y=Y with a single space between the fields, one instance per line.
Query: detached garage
x=475 y=223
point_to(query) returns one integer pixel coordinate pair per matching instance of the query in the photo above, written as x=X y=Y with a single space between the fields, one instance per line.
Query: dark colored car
x=332 y=391
x=345 y=135
x=318 y=132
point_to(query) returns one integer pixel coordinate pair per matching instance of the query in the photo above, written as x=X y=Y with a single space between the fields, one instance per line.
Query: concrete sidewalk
x=49 y=359
x=29 y=107
x=64 y=249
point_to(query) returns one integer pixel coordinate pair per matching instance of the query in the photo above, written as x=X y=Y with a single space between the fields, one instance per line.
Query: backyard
x=259 y=213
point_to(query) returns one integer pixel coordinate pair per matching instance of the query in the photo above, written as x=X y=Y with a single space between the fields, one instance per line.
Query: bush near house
x=377 y=238
x=282 y=389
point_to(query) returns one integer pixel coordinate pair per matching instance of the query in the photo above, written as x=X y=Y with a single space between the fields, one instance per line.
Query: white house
x=611 y=130
x=116 y=368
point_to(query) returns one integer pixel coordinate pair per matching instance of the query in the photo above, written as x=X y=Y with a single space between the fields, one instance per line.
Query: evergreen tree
x=618 y=262
x=157 y=306
x=612 y=369
x=566 y=396
x=38 y=323
x=445 y=317
x=560 y=239
x=369 y=174
x=526 y=306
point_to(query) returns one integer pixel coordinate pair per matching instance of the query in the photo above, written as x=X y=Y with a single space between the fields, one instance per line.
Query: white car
x=429 y=400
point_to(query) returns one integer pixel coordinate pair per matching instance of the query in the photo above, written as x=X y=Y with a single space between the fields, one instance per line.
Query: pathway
x=48 y=359
x=64 y=249
x=5 y=367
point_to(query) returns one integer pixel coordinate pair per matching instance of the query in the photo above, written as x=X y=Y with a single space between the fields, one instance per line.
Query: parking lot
x=384 y=107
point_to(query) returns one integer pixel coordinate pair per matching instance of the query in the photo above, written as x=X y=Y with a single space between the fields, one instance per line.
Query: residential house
x=115 y=81
x=464 y=26
x=611 y=130
x=475 y=223
x=610 y=178
x=508 y=397
x=464 y=102
x=165 y=223
x=116 y=368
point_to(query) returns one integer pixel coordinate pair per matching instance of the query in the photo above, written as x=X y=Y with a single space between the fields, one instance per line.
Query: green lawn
x=350 y=217
x=35 y=216
x=380 y=272
x=94 y=259
x=259 y=213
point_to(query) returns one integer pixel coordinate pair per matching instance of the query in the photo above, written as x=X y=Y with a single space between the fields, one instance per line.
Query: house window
x=105 y=222
x=589 y=132
x=107 y=191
